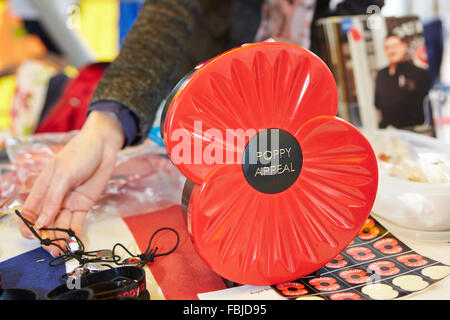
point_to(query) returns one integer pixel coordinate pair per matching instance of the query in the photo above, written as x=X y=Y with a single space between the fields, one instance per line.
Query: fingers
x=70 y=182
x=63 y=221
x=77 y=222
x=24 y=230
x=86 y=194
x=59 y=187
x=33 y=203
x=66 y=220
x=48 y=234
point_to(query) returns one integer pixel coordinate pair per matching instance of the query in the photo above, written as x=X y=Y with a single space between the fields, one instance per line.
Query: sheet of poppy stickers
x=374 y=266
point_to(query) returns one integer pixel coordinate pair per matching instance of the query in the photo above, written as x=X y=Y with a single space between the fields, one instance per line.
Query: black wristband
x=76 y=294
x=17 y=294
x=125 y=281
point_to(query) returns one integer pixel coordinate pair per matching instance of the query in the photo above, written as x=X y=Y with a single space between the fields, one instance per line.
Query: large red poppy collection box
x=277 y=185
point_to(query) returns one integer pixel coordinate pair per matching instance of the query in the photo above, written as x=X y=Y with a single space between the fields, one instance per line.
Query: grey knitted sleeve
x=167 y=39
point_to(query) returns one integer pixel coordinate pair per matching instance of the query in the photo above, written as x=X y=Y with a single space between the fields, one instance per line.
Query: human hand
x=73 y=180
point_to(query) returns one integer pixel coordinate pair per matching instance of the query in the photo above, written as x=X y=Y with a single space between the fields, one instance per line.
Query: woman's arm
x=168 y=38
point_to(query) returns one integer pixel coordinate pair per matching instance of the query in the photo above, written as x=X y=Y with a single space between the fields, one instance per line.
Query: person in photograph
x=400 y=88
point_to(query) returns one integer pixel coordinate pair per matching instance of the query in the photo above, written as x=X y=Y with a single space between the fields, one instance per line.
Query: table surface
x=104 y=230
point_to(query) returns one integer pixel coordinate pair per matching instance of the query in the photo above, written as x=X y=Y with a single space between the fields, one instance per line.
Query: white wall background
x=425 y=9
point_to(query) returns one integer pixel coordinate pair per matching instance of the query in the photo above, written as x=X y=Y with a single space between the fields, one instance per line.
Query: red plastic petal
x=339 y=177
x=256 y=238
x=250 y=88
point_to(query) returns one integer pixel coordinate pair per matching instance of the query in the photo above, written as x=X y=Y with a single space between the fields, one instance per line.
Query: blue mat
x=24 y=271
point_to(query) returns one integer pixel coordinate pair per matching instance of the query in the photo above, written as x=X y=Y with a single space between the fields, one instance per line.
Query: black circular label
x=272 y=161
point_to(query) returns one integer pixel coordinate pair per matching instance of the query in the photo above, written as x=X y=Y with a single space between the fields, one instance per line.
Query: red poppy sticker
x=292 y=289
x=384 y=268
x=337 y=262
x=354 y=276
x=412 y=260
x=388 y=246
x=345 y=296
x=361 y=253
x=369 y=231
x=324 y=283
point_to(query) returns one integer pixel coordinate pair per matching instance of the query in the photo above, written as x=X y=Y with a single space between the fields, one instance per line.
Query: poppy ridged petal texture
x=264 y=223
x=253 y=87
x=257 y=238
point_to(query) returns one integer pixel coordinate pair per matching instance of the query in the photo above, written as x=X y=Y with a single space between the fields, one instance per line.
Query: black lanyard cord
x=44 y=242
x=103 y=256
x=149 y=254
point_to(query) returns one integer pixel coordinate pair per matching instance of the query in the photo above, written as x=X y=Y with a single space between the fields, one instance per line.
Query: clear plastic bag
x=143 y=180
x=11 y=196
x=29 y=155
